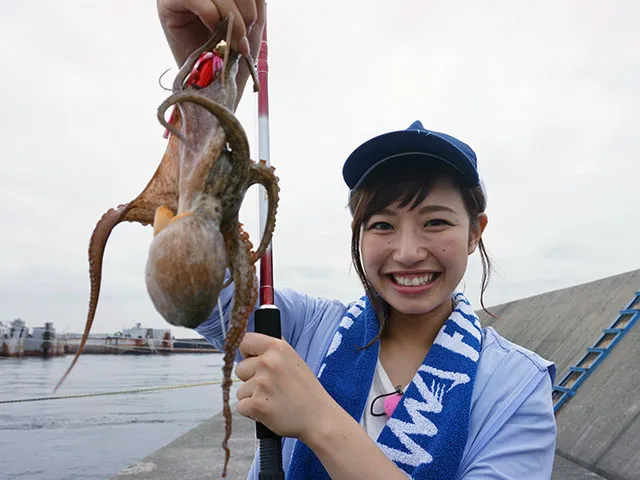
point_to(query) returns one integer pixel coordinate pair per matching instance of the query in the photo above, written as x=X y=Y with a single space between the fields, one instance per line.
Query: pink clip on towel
x=391 y=402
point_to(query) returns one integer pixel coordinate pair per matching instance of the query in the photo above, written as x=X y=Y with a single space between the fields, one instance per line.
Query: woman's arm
x=347 y=451
x=302 y=318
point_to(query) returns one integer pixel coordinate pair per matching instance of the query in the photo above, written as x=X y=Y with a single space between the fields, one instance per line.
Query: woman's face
x=415 y=258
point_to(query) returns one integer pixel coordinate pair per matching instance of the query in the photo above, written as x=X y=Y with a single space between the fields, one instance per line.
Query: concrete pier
x=198 y=454
x=195 y=456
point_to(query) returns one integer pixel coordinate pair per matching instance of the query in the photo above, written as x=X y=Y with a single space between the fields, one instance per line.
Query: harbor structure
x=17 y=340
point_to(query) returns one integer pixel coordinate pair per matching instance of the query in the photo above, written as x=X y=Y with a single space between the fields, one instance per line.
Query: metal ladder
x=610 y=337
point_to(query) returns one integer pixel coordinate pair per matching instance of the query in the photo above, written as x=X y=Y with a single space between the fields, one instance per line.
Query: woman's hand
x=188 y=24
x=280 y=390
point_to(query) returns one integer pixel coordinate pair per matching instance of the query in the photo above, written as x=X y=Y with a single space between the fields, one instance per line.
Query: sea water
x=97 y=436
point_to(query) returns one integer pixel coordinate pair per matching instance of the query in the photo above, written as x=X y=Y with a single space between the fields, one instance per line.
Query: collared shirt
x=512 y=428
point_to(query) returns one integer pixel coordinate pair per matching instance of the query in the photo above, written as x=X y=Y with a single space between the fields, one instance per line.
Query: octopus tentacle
x=160 y=191
x=265 y=176
x=225 y=60
x=237 y=166
x=96 y=253
x=245 y=297
x=232 y=127
x=253 y=72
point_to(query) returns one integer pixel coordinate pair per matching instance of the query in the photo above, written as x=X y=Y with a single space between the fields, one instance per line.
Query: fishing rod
x=267 y=315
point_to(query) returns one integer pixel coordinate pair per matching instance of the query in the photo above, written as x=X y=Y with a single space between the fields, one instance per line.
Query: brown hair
x=408 y=182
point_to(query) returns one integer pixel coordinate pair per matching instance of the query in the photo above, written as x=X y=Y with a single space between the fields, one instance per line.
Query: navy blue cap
x=415 y=140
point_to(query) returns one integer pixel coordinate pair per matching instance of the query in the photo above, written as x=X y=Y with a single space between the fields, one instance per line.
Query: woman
x=403 y=381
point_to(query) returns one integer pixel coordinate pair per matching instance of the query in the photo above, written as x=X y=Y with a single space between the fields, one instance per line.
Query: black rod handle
x=267 y=321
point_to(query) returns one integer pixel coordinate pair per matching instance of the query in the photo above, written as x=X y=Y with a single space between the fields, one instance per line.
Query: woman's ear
x=476 y=230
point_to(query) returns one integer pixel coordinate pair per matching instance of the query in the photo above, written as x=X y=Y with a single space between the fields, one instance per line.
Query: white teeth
x=414 y=281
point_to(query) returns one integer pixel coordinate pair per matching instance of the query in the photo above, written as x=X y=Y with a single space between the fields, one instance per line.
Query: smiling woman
x=467 y=403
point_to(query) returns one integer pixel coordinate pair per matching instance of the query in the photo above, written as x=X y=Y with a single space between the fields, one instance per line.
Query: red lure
x=205 y=69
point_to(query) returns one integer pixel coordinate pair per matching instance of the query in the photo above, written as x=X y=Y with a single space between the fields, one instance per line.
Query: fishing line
x=119 y=392
x=160 y=81
x=222 y=325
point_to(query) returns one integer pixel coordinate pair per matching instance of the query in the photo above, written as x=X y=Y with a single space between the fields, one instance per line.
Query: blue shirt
x=512 y=428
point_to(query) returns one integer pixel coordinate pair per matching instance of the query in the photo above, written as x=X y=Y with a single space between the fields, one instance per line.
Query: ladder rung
x=578 y=369
x=596 y=350
x=562 y=389
x=613 y=330
x=565 y=379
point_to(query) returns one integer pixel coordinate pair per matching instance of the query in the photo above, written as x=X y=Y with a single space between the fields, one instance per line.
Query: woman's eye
x=438 y=222
x=380 y=226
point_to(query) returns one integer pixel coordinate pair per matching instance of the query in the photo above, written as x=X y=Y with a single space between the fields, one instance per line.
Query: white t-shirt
x=381 y=385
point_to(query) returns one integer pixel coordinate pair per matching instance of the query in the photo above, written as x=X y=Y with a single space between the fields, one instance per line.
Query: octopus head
x=185 y=270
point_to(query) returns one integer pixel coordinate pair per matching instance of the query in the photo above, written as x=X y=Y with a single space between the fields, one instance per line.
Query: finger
x=260 y=10
x=255 y=30
x=253 y=406
x=246 y=390
x=246 y=368
x=244 y=408
x=249 y=11
x=239 y=43
x=207 y=12
x=254 y=344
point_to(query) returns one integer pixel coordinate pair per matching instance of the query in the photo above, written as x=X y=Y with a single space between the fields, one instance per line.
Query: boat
x=18 y=341
x=137 y=340
x=193 y=345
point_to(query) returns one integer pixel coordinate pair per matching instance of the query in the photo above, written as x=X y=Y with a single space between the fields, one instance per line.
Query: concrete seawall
x=561 y=324
x=598 y=429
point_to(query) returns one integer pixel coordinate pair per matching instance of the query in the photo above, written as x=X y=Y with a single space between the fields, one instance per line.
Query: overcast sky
x=547 y=93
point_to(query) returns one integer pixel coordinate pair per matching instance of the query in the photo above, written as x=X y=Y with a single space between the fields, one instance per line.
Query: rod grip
x=267 y=322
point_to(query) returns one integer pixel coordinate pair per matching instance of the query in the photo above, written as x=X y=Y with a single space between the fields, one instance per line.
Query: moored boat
x=17 y=341
x=137 y=340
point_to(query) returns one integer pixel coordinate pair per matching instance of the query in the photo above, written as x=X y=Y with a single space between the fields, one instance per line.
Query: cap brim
x=394 y=145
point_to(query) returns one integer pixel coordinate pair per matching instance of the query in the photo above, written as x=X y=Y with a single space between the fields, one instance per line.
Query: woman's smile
x=413 y=283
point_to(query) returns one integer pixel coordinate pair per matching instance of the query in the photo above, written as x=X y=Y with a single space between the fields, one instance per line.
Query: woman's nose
x=408 y=249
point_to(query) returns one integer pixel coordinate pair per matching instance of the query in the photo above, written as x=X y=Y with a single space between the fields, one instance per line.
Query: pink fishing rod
x=266 y=261
x=267 y=315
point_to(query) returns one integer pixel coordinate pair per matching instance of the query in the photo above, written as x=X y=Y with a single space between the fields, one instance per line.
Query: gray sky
x=545 y=92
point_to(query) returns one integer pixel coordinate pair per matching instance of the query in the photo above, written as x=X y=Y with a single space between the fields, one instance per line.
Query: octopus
x=193 y=202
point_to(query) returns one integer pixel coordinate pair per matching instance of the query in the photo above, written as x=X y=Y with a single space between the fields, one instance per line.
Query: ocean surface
x=96 y=437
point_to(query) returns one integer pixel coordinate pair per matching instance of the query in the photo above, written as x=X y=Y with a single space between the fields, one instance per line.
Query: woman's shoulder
x=311 y=307
x=501 y=356
x=508 y=376
x=512 y=426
